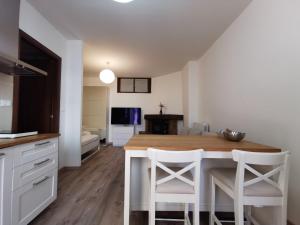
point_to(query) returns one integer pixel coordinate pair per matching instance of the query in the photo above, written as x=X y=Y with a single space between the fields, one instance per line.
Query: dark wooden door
x=37 y=99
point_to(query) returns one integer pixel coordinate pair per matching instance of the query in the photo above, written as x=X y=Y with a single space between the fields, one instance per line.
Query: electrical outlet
x=5 y=103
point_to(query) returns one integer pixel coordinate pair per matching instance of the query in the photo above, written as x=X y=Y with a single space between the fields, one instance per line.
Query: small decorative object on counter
x=231 y=135
x=161 y=108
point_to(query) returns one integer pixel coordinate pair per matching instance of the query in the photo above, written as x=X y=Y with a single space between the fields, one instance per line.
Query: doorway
x=94 y=116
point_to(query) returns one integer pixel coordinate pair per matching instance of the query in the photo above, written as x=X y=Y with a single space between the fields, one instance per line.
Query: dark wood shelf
x=163 y=117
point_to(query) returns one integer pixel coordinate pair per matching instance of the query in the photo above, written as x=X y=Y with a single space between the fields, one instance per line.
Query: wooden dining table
x=214 y=147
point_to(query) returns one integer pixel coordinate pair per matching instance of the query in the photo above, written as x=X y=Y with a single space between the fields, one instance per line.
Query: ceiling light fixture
x=123 y=1
x=107 y=76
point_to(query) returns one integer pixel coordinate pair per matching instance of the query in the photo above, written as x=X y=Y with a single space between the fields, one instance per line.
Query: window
x=134 y=85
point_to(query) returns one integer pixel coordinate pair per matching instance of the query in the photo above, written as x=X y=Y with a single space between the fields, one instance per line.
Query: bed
x=89 y=142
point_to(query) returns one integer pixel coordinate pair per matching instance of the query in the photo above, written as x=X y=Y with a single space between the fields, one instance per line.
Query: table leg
x=127 y=189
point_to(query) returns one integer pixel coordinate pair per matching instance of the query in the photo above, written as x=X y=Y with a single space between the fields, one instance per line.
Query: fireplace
x=162 y=124
x=160 y=127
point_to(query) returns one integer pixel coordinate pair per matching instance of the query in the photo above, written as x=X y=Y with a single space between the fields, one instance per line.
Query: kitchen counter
x=6 y=143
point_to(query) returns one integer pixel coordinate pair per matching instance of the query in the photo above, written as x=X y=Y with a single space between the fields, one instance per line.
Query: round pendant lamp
x=107 y=76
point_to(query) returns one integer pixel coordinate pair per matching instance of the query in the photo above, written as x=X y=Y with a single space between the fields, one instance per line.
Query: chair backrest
x=162 y=158
x=277 y=176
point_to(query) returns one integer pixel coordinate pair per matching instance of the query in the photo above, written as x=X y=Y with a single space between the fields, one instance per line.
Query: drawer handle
x=43 y=143
x=2 y=155
x=41 y=181
x=41 y=163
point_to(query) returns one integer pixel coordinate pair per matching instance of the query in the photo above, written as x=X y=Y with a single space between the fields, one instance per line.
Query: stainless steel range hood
x=9 y=42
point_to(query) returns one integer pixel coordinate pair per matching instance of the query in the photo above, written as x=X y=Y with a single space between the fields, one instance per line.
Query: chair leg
x=186 y=213
x=248 y=215
x=152 y=213
x=196 y=216
x=212 y=201
x=284 y=214
x=238 y=212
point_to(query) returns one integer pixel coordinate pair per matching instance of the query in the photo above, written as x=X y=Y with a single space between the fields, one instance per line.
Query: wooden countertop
x=6 y=143
x=209 y=142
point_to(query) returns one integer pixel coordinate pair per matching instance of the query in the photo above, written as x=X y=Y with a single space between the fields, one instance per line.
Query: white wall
x=191 y=93
x=34 y=24
x=93 y=82
x=251 y=82
x=166 y=89
x=73 y=104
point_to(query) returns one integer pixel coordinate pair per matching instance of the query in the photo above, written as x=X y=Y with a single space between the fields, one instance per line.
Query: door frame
x=16 y=91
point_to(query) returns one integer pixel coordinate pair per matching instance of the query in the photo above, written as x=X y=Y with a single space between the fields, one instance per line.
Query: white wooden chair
x=249 y=187
x=175 y=184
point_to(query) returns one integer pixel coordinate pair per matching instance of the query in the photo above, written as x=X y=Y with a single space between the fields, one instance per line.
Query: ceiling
x=145 y=37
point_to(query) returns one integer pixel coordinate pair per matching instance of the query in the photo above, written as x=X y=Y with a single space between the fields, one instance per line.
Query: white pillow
x=86 y=132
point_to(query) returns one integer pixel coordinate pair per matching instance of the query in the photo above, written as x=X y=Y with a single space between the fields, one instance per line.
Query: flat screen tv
x=126 y=116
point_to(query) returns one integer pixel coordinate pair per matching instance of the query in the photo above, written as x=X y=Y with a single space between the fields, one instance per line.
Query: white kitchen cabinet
x=32 y=151
x=6 y=166
x=33 y=198
x=28 y=180
x=32 y=170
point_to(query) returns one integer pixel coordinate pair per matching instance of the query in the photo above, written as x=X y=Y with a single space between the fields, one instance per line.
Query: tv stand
x=121 y=134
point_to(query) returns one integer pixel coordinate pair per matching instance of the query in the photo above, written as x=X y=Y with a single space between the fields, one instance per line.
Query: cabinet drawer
x=34 y=169
x=33 y=151
x=33 y=198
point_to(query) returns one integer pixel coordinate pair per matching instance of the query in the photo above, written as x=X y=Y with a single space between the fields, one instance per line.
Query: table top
x=209 y=142
x=6 y=143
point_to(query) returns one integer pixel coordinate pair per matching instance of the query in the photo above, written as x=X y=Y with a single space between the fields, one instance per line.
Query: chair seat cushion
x=261 y=189
x=174 y=186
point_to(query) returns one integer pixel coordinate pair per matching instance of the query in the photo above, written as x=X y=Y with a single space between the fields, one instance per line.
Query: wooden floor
x=93 y=194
